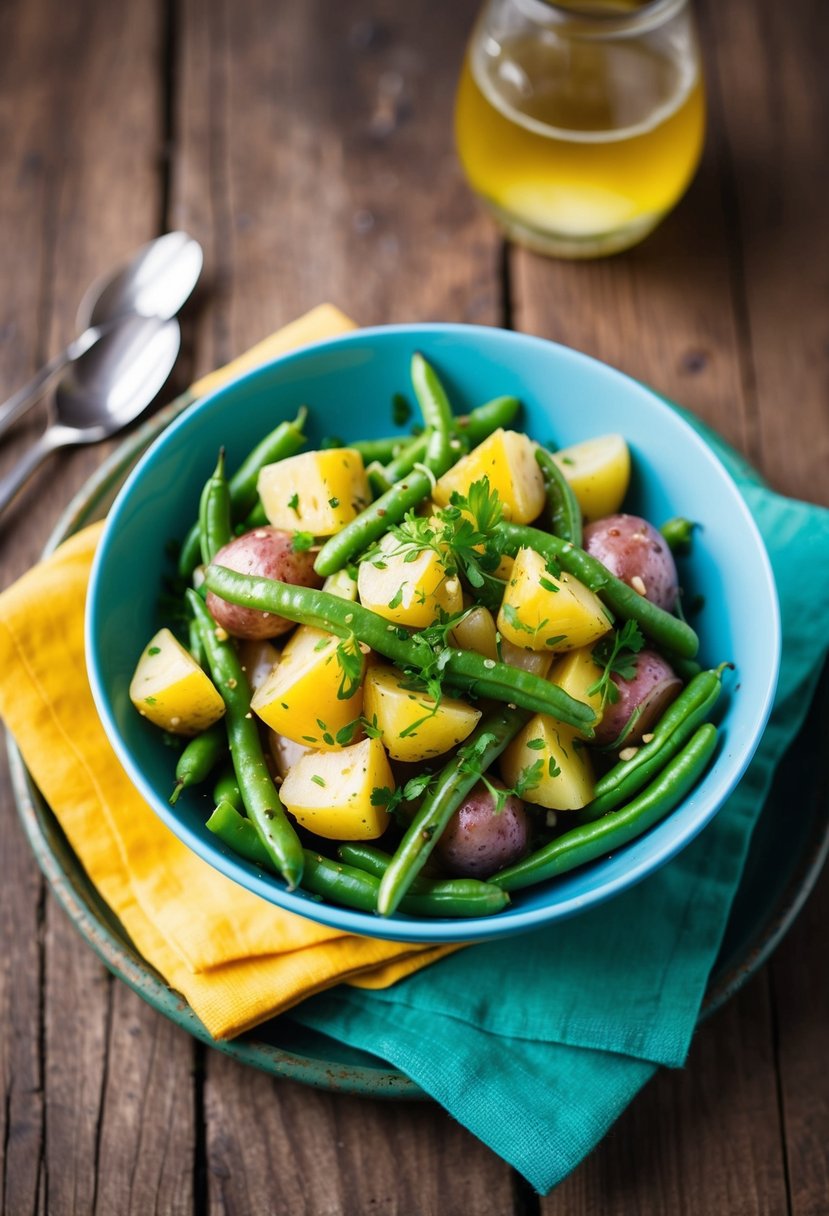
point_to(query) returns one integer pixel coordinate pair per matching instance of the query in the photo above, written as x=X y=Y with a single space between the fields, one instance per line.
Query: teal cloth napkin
x=538 y=1049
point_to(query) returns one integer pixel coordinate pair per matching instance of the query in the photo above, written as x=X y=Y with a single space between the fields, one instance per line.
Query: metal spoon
x=123 y=371
x=154 y=283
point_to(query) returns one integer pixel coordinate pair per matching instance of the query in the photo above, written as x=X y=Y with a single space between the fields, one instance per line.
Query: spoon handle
x=25 y=397
x=51 y=439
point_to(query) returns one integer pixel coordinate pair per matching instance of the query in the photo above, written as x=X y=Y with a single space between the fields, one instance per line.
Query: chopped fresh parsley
x=301 y=542
x=293 y=503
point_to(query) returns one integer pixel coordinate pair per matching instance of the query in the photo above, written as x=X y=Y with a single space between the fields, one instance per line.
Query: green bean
x=376 y=861
x=198 y=759
x=381 y=450
x=664 y=629
x=463 y=668
x=214 y=512
x=471 y=429
x=692 y=707
x=678 y=533
x=453 y=783
x=602 y=836
x=258 y=791
x=350 y=885
x=194 y=643
x=227 y=789
x=390 y=507
x=285 y=440
x=562 y=504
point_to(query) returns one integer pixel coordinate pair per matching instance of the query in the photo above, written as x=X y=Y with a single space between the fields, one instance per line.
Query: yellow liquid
x=579 y=147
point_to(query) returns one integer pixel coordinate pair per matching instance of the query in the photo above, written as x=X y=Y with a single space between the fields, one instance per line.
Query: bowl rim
x=400 y=927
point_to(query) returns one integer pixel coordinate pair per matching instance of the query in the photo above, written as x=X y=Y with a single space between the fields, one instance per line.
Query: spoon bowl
x=156 y=282
x=104 y=390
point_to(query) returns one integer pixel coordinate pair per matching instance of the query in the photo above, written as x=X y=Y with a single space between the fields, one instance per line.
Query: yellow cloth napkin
x=236 y=959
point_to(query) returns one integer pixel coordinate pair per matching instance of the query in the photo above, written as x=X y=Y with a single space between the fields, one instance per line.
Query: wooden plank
x=146 y=1142
x=315 y=158
x=279 y=1147
x=703 y=1140
x=769 y=62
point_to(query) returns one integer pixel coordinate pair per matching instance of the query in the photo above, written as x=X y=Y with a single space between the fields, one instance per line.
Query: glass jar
x=580 y=125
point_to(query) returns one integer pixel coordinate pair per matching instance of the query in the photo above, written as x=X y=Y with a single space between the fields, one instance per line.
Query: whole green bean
x=602 y=836
x=453 y=783
x=258 y=791
x=562 y=504
x=463 y=668
x=390 y=507
x=692 y=707
x=664 y=629
x=285 y=440
x=199 y=758
x=214 y=512
x=350 y=885
x=227 y=789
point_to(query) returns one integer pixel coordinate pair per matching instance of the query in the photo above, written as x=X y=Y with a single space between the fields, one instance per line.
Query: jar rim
x=586 y=19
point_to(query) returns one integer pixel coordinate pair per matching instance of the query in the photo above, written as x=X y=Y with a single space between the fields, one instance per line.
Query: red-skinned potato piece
x=267 y=553
x=651 y=689
x=479 y=840
x=638 y=554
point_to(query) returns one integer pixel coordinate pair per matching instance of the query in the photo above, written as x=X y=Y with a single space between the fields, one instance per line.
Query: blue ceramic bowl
x=349 y=385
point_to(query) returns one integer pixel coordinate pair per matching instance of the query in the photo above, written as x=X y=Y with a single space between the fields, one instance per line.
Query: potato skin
x=654 y=686
x=477 y=842
x=638 y=554
x=265 y=552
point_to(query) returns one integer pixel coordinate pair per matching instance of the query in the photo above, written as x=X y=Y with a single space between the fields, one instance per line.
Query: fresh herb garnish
x=615 y=654
x=301 y=542
x=350 y=658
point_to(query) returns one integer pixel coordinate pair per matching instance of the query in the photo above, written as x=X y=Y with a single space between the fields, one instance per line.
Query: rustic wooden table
x=308 y=146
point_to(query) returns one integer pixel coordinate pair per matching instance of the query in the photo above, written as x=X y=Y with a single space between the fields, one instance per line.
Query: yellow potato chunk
x=538 y=662
x=565 y=778
x=317 y=492
x=542 y=612
x=477 y=631
x=329 y=793
x=507 y=458
x=411 y=725
x=575 y=673
x=598 y=472
x=301 y=697
x=171 y=690
x=407 y=592
x=342 y=585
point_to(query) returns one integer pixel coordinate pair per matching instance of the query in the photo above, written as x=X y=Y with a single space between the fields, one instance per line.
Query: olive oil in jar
x=580 y=144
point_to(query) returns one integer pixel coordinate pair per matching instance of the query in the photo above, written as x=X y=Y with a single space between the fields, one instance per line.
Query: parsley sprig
x=464 y=535
x=616 y=655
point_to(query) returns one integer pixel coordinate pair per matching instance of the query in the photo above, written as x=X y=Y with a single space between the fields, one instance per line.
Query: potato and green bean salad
x=418 y=675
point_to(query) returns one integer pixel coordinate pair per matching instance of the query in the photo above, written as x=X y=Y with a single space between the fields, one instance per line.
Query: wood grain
x=277 y=1147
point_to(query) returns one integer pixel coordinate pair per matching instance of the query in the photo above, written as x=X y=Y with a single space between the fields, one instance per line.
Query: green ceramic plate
x=786 y=856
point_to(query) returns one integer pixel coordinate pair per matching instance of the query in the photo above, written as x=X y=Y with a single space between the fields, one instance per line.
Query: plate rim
x=128 y=965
